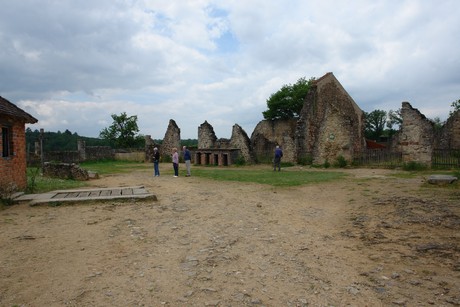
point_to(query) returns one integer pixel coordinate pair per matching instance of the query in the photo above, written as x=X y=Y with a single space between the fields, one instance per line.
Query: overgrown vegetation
x=39 y=184
x=414 y=166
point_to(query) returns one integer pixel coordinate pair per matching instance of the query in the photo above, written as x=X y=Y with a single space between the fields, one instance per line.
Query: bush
x=340 y=162
x=305 y=160
x=414 y=166
x=240 y=161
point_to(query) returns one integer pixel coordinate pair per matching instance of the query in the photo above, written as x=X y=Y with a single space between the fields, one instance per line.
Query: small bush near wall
x=414 y=166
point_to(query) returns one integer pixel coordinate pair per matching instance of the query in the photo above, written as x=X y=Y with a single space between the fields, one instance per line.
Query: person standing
x=277 y=160
x=187 y=159
x=175 y=160
x=156 y=161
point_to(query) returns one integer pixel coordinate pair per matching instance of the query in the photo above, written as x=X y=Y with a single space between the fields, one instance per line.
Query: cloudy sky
x=71 y=64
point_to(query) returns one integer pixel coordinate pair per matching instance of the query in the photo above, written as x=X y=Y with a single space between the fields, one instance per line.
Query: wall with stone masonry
x=270 y=133
x=171 y=140
x=331 y=124
x=449 y=136
x=241 y=141
x=416 y=136
x=206 y=136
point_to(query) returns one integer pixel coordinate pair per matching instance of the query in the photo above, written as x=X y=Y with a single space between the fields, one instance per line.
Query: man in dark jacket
x=187 y=159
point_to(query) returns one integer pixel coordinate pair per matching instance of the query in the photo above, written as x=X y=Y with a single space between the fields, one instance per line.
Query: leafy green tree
x=438 y=123
x=288 y=101
x=456 y=106
x=375 y=124
x=123 y=131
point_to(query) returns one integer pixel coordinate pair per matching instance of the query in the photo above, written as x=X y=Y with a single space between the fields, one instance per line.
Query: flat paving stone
x=86 y=195
x=441 y=179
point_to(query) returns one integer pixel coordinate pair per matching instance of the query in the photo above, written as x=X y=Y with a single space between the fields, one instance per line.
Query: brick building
x=13 y=145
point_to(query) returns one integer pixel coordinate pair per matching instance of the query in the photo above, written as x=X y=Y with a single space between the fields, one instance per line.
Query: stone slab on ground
x=136 y=192
x=441 y=179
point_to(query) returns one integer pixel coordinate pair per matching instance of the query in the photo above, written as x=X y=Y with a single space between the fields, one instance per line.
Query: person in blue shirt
x=277 y=160
x=187 y=159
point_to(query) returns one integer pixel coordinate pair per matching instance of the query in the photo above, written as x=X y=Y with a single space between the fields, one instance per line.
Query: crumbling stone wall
x=270 y=133
x=149 y=146
x=449 y=136
x=330 y=124
x=206 y=136
x=241 y=141
x=416 y=136
x=65 y=171
x=170 y=140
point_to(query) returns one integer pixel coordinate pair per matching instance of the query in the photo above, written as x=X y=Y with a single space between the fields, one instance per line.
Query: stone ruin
x=415 y=138
x=171 y=140
x=330 y=125
x=214 y=151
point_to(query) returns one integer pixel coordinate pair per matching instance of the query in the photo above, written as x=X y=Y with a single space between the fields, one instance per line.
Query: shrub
x=305 y=160
x=240 y=161
x=414 y=166
x=340 y=162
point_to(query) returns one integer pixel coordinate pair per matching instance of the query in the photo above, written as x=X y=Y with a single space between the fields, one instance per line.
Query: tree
x=375 y=124
x=456 y=106
x=122 y=132
x=288 y=101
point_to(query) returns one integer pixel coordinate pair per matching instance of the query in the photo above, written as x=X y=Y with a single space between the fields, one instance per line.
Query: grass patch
x=283 y=179
x=114 y=167
x=45 y=184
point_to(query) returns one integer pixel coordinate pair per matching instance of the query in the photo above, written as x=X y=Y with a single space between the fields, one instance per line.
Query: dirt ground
x=370 y=240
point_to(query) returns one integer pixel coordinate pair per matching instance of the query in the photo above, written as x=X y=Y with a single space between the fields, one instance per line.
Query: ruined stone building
x=416 y=135
x=222 y=152
x=331 y=124
x=171 y=140
x=270 y=133
x=449 y=136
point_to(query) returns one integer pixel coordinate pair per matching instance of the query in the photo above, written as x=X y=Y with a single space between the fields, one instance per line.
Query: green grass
x=266 y=176
x=39 y=184
x=114 y=167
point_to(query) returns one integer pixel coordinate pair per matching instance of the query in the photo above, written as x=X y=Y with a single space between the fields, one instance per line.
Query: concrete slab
x=441 y=179
x=86 y=195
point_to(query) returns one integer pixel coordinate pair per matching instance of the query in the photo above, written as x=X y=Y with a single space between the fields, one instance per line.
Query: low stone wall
x=65 y=171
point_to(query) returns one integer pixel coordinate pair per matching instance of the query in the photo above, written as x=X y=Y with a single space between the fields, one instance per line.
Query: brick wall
x=13 y=168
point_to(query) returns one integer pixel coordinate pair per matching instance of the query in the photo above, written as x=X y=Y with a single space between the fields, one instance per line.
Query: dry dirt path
x=370 y=240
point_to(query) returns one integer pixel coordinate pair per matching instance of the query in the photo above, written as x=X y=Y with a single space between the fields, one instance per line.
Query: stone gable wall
x=416 y=136
x=241 y=141
x=330 y=124
x=171 y=140
x=206 y=136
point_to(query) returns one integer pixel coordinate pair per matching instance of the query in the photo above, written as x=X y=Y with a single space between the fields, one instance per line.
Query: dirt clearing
x=370 y=240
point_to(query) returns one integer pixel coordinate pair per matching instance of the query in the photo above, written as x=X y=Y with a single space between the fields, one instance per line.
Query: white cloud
x=73 y=64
